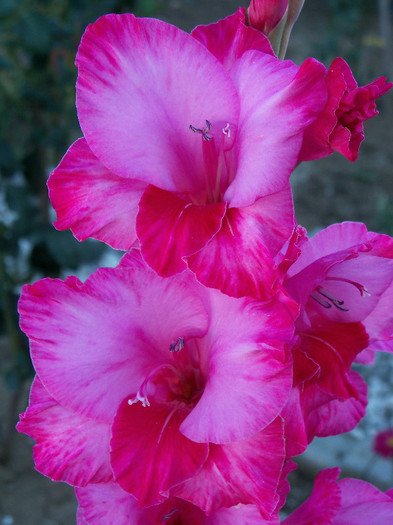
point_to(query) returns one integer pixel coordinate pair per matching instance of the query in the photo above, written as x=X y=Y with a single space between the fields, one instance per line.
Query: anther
x=227 y=130
x=177 y=345
x=326 y=299
x=142 y=399
x=204 y=132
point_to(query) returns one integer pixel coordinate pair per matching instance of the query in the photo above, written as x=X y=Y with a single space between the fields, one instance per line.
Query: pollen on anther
x=177 y=345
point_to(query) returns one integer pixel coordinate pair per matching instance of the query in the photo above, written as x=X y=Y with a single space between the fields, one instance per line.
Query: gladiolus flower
x=186 y=156
x=143 y=379
x=383 y=443
x=343 y=283
x=340 y=125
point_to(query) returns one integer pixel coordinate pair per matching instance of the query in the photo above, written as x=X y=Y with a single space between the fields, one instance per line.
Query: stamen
x=326 y=299
x=320 y=300
x=362 y=289
x=141 y=395
x=142 y=398
x=176 y=346
x=204 y=132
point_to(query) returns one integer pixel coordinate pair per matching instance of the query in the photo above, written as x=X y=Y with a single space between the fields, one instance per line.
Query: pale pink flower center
x=178 y=380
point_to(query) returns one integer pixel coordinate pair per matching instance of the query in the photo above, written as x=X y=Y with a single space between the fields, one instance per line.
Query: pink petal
x=328 y=417
x=239 y=515
x=93 y=201
x=107 y=503
x=243 y=472
x=104 y=503
x=148 y=453
x=363 y=504
x=334 y=239
x=141 y=83
x=94 y=343
x=170 y=228
x=322 y=506
x=69 y=447
x=229 y=38
x=248 y=376
x=333 y=347
x=273 y=115
x=244 y=248
x=295 y=427
x=316 y=136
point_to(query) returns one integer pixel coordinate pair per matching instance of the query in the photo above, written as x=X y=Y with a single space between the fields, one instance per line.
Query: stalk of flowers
x=175 y=387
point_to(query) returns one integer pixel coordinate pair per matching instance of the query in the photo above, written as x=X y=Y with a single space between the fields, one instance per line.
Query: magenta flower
x=345 y=502
x=186 y=156
x=340 y=125
x=143 y=381
x=343 y=282
x=383 y=443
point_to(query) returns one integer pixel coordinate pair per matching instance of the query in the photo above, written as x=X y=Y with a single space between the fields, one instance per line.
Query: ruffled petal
x=92 y=201
x=274 y=113
x=333 y=347
x=363 y=504
x=104 y=503
x=244 y=248
x=94 y=343
x=69 y=447
x=229 y=38
x=171 y=228
x=107 y=503
x=243 y=472
x=326 y=416
x=148 y=453
x=322 y=507
x=141 y=84
x=248 y=376
x=334 y=239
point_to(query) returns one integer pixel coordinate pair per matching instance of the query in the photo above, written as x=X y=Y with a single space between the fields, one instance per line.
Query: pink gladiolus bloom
x=189 y=155
x=143 y=382
x=383 y=443
x=340 y=125
x=345 y=502
x=343 y=282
